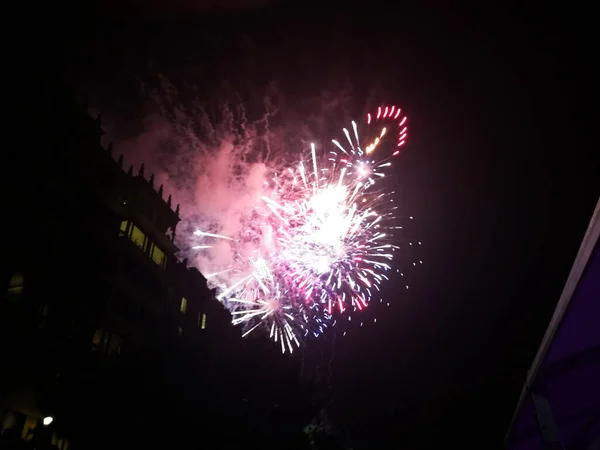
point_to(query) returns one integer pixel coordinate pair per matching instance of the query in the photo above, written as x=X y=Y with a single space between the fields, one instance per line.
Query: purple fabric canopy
x=566 y=370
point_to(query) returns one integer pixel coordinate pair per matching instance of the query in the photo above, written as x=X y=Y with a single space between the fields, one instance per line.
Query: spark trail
x=326 y=227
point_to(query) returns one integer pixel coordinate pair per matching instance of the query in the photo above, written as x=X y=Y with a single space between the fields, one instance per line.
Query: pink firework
x=328 y=235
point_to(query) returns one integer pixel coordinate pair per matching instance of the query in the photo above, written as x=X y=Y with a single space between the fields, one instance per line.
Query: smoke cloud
x=215 y=158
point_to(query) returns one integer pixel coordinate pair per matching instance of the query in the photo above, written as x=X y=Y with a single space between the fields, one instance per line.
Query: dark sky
x=501 y=174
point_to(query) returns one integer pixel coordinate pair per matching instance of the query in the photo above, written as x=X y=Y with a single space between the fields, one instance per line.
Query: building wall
x=95 y=304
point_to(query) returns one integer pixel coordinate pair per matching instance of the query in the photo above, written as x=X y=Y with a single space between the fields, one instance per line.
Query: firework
x=326 y=226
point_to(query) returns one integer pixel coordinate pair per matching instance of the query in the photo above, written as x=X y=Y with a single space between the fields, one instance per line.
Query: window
x=125 y=227
x=183 y=306
x=130 y=230
x=9 y=420
x=140 y=239
x=105 y=342
x=15 y=286
x=63 y=444
x=114 y=344
x=43 y=309
x=157 y=255
x=97 y=339
x=28 y=427
x=203 y=323
x=138 y=236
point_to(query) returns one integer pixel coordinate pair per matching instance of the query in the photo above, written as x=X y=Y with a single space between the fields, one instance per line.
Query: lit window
x=15 y=286
x=124 y=226
x=203 y=324
x=183 y=306
x=28 y=427
x=138 y=236
x=157 y=255
x=106 y=342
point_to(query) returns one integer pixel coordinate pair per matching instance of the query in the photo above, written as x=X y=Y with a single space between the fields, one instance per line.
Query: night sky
x=500 y=172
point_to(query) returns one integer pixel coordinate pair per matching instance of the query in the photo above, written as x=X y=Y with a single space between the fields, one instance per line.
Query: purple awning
x=566 y=369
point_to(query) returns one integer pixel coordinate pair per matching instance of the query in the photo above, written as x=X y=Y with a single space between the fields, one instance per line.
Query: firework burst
x=327 y=227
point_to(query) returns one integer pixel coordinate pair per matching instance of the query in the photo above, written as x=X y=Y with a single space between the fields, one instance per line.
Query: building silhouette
x=105 y=330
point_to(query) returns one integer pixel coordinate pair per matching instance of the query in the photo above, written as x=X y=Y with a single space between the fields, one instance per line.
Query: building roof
x=567 y=364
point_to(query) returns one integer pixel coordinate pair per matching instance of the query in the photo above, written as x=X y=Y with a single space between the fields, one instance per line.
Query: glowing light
x=330 y=230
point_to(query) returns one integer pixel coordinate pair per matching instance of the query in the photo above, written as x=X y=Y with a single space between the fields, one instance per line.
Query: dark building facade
x=106 y=332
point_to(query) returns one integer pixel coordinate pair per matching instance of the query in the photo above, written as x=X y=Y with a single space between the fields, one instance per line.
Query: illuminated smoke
x=214 y=159
x=288 y=238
